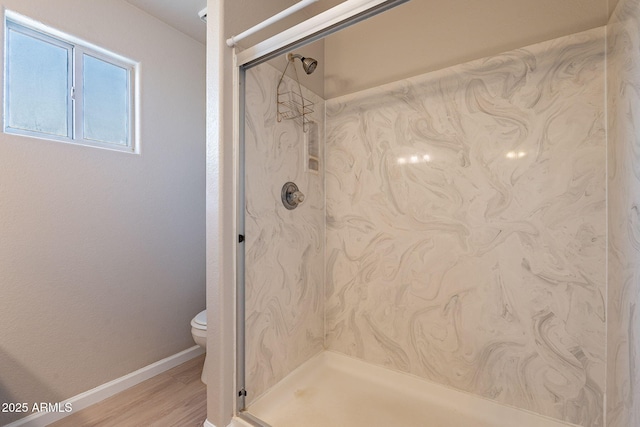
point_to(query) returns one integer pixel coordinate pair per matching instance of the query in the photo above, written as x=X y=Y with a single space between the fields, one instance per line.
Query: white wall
x=422 y=36
x=612 y=6
x=102 y=261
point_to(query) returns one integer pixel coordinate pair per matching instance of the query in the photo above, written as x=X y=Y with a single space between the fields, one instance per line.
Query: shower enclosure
x=451 y=231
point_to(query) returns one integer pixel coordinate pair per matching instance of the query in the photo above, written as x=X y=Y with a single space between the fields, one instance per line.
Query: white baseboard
x=104 y=391
x=248 y=421
x=237 y=422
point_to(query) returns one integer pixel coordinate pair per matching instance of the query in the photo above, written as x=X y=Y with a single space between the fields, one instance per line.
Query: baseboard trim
x=104 y=391
x=238 y=422
x=235 y=422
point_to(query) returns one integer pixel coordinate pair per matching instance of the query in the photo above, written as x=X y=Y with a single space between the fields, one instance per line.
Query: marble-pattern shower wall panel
x=623 y=336
x=284 y=267
x=466 y=227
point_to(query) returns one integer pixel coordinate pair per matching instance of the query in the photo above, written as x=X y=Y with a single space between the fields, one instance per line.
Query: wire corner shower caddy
x=293 y=105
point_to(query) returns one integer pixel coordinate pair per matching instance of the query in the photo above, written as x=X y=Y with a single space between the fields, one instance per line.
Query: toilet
x=199 y=332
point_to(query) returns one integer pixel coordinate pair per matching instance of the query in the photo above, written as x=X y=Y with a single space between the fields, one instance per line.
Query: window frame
x=75 y=80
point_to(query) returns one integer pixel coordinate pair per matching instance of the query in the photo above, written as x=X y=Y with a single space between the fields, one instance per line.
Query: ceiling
x=180 y=14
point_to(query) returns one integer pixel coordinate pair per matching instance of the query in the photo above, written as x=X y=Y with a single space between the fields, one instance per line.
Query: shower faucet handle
x=291 y=196
x=296 y=197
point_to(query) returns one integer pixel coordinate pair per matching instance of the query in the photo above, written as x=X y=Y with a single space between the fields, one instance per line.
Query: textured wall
x=466 y=227
x=284 y=271
x=102 y=253
x=623 y=341
x=448 y=33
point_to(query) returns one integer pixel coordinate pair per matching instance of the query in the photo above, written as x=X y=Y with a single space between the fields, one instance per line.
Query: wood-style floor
x=176 y=397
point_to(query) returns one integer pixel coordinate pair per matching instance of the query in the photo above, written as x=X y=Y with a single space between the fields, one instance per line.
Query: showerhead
x=308 y=64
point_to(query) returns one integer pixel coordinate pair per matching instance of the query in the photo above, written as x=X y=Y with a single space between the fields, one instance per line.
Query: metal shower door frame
x=313 y=29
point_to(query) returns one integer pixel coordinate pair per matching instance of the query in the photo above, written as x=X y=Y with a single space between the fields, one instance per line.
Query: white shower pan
x=333 y=390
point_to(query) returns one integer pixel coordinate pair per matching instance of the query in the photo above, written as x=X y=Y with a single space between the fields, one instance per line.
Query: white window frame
x=75 y=59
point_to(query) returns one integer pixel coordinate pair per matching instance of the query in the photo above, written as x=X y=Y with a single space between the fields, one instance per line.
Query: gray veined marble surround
x=284 y=274
x=623 y=339
x=466 y=229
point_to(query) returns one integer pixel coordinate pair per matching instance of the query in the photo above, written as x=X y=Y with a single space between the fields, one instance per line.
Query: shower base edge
x=332 y=389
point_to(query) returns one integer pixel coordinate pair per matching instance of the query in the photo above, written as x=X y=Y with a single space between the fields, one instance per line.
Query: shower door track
x=316 y=28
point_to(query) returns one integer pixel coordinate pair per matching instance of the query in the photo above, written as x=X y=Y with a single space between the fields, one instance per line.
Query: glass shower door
x=284 y=246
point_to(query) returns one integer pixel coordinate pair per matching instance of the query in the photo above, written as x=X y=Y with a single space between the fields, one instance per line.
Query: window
x=59 y=88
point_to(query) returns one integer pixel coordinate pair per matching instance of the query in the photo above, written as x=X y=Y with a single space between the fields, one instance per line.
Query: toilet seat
x=200 y=321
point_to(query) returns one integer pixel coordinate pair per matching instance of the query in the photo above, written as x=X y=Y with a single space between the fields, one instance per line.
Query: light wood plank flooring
x=176 y=397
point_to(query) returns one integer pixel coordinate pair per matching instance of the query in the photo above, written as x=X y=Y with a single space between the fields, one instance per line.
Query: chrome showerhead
x=308 y=64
